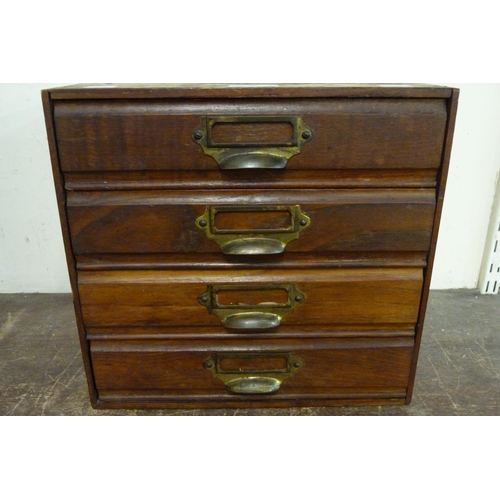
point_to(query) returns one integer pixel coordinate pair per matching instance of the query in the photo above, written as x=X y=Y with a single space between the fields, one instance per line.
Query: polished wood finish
x=361 y=134
x=131 y=182
x=333 y=297
x=242 y=91
x=205 y=261
x=175 y=369
x=48 y=108
x=267 y=179
x=452 y=105
x=161 y=222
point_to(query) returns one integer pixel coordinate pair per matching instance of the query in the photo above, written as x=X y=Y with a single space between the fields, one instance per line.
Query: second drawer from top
x=250 y=222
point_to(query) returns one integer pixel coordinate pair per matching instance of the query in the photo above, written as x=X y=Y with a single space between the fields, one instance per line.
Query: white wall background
x=472 y=180
x=31 y=250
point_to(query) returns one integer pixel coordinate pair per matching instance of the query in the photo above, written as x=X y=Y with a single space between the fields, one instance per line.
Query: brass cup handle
x=253 y=242
x=263 y=153
x=253 y=385
x=252 y=321
x=256 y=381
x=262 y=316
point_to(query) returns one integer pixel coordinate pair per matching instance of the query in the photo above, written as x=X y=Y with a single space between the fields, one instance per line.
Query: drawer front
x=318 y=368
x=251 y=222
x=137 y=135
x=254 y=300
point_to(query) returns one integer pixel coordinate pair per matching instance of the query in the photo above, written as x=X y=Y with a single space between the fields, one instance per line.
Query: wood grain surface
x=119 y=135
x=161 y=298
x=151 y=222
x=332 y=368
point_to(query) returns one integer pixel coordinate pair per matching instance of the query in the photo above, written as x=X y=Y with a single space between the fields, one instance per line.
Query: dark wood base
x=184 y=405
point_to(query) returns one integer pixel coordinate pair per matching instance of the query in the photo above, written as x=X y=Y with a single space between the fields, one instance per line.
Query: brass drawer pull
x=264 y=315
x=253 y=373
x=252 y=141
x=253 y=241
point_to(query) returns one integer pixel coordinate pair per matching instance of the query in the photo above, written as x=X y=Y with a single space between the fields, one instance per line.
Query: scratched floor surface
x=41 y=371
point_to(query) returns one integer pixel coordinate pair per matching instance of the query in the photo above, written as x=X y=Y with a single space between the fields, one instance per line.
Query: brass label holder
x=239 y=156
x=253 y=381
x=253 y=242
x=262 y=316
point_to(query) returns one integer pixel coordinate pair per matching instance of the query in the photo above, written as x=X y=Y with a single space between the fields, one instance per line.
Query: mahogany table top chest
x=250 y=245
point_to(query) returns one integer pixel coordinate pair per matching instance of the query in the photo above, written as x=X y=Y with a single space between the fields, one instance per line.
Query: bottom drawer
x=259 y=373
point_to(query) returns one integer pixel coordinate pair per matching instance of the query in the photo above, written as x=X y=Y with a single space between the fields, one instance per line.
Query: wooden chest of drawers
x=246 y=246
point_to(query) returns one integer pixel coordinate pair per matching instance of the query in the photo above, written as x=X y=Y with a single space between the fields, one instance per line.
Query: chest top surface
x=248 y=90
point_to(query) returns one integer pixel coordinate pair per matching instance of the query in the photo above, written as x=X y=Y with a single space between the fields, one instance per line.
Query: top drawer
x=294 y=134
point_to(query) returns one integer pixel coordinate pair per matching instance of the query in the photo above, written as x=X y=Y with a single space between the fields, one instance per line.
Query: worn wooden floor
x=41 y=371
